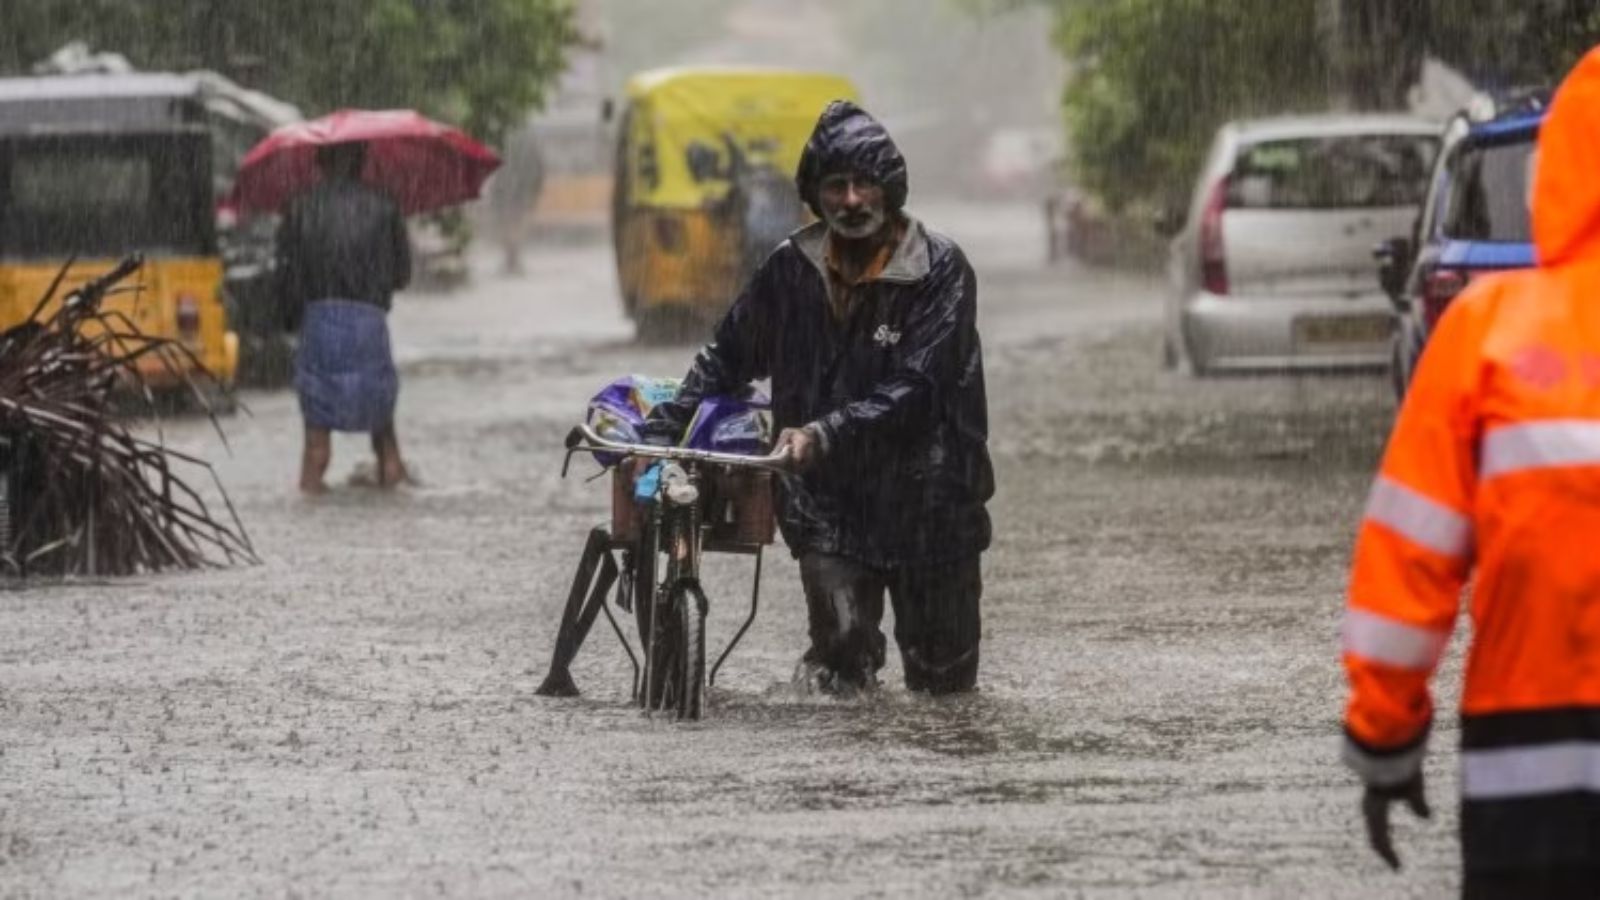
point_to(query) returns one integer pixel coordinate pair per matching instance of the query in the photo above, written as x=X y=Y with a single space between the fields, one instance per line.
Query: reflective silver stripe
x=1530 y=771
x=1392 y=642
x=1540 y=445
x=1383 y=771
x=1420 y=518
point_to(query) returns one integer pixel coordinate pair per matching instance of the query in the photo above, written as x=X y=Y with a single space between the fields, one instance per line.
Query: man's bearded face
x=852 y=205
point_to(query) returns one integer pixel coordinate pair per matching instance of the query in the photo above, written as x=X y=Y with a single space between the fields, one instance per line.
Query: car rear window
x=1340 y=172
x=1489 y=194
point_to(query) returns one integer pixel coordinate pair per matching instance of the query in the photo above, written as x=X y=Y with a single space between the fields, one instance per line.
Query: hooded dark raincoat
x=896 y=390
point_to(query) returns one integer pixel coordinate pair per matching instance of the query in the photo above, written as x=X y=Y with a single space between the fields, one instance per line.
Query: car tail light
x=1438 y=289
x=188 y=316
x=1213 y=258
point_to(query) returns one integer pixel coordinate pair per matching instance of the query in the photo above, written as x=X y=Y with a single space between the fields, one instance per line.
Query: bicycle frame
x=674 y=531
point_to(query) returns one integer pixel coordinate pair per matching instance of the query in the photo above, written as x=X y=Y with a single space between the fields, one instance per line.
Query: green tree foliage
x=1375 y=49
x=1152 y=79
x=480 y=63
x=1504 y=43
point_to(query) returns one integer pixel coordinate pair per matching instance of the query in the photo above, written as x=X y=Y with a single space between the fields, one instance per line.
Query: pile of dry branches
x=83 y=495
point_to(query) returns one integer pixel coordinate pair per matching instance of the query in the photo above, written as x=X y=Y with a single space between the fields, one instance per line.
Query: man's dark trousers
x=936 y=620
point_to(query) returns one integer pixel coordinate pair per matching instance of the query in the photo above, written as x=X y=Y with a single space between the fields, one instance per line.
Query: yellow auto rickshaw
x=96 y=167
x=705 y=185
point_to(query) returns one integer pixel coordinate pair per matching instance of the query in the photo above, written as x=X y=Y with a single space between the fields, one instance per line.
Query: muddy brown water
x=354 y=717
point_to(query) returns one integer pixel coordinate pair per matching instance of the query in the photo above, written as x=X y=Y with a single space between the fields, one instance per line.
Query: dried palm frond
x=83 y=495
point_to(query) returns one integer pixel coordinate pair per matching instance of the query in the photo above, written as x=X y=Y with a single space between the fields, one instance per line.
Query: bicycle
x=672 y=526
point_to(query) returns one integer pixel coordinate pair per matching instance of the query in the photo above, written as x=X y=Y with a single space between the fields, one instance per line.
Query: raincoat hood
x=847 y=139
x=1566 y=193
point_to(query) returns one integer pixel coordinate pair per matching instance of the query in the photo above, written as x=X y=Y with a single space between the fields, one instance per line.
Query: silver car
x=1273 y=268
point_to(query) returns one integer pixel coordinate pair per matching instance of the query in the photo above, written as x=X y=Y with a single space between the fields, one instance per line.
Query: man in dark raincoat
x=866 y=324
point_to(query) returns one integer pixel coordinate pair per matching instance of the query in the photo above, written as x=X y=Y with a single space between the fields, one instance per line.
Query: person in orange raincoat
x=1494 y=469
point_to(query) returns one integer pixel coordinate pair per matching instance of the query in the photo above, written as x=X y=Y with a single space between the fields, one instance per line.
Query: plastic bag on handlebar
x=726 y=424
x=618 y=411
x=723 y=424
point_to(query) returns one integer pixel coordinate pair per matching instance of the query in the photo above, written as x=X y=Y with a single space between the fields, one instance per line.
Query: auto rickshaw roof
x=769 y=112
x=136 y=102
x=730 y=79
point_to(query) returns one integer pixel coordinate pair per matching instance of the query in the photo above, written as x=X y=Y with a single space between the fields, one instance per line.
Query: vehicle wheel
x=265 y=361
x=660 y=689
x=691 y=628
x=655 y=628
x=677 y=656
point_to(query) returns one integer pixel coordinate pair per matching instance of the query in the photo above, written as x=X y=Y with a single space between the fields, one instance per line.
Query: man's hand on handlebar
x=804 y=447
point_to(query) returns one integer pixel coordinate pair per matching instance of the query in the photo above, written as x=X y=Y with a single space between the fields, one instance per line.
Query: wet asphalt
x=1160 y=700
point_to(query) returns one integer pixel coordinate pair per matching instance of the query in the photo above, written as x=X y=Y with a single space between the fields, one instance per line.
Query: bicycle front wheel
x=690 y=611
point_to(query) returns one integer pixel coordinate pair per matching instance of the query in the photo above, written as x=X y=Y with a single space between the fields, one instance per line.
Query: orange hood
x=1566 y=191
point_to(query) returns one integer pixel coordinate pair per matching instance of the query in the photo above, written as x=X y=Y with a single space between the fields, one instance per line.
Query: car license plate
x=1363 y=329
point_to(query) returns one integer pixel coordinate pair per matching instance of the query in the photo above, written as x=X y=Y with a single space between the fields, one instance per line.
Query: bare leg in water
x=391 y=468
x=314 y=460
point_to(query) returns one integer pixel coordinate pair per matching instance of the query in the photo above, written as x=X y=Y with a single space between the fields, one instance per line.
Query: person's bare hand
x=803 y=446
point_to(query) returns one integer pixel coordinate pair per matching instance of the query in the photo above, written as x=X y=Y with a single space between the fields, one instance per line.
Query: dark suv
x=1474 y=220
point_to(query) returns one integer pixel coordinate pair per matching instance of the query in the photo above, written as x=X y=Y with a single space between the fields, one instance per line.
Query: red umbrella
x=422 y=164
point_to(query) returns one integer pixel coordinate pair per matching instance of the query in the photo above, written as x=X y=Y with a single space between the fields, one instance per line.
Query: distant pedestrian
x=514 y=193
x=343 y=252
x=1493 y=474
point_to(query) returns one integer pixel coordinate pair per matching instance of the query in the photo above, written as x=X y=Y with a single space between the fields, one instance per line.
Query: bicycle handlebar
x=584 y=439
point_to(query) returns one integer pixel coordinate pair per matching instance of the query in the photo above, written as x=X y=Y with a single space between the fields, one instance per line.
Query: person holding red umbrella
x=342 y=253
x=347 y=180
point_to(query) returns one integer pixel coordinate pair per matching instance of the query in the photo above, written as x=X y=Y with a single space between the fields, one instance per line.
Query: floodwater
x=1159 y=712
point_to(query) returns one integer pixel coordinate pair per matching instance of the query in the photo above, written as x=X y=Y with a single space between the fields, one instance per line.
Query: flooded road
x=355 y=717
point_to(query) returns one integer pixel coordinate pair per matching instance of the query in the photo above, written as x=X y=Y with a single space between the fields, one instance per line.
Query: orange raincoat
x=1494 y=466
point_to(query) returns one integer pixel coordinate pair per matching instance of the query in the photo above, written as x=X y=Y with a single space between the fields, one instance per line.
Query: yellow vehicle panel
x=678 y=239
x=678 y=258
x=165 y=284
x=773 y=110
